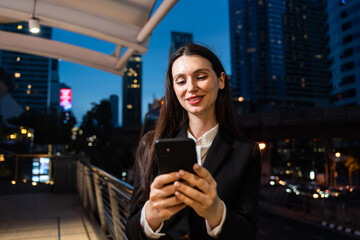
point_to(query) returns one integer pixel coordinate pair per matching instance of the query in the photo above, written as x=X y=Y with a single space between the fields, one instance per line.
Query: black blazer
x=235 y=164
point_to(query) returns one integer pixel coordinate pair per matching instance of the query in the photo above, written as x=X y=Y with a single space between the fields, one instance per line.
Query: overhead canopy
x=126 y=23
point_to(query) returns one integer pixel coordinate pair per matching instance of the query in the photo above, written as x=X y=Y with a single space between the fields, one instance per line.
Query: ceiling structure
x=126 y=23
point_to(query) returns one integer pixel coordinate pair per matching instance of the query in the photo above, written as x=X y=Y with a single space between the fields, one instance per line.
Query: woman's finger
x=198 y=181
x=164 y=179
x=166 y=203
x=190 y=192
x=203 y=173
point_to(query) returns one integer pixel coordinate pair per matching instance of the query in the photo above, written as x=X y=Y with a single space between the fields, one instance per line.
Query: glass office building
x=33 y=75
x=343 y=38
x=131 y=103
x=278 y=52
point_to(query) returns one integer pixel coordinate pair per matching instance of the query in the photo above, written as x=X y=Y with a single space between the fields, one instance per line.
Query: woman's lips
x=195 y=99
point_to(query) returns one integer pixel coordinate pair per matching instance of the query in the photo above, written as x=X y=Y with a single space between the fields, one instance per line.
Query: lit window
x=304 y=16
x=305 y=36
x=19 y=27
x=27 y=108
x=28 y=91
x=17 y=75
x=18 y=59
x=129 y=106
x=13 y=136
x=135 y=81
x=29 y=86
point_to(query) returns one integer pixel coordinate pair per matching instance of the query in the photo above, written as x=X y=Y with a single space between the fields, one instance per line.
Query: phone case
x=173 y=154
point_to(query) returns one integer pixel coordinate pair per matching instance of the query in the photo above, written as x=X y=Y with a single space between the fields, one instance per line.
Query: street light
x=262 y=146
x=337 y=154
x=34 y=25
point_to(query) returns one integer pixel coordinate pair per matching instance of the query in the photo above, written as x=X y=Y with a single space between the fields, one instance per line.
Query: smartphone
x=173 y=154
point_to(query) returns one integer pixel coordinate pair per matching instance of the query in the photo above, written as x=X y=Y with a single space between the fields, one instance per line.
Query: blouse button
x=186 y=237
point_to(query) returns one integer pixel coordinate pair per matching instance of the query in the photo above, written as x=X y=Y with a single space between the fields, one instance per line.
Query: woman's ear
x=222 y=80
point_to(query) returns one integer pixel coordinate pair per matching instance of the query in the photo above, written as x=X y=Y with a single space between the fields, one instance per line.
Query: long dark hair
x=173 y=116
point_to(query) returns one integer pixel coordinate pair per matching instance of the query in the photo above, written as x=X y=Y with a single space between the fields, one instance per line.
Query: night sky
x=207 y=20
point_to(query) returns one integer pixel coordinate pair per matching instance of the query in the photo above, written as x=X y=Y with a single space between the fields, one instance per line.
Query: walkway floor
x=45 y=216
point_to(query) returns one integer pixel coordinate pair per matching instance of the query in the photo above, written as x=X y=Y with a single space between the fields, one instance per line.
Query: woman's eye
x=201 y=77
x=180 y=82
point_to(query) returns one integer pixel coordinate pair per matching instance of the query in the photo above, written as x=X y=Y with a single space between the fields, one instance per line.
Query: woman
x=220 y=201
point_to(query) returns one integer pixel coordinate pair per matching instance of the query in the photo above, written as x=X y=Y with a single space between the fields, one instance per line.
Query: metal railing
x=105 y=197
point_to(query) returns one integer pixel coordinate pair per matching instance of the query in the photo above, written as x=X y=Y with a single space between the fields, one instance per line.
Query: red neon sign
x=65 y=98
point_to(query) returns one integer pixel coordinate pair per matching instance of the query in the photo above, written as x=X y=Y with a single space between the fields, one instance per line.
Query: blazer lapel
x=183 y=132
x=218 y=151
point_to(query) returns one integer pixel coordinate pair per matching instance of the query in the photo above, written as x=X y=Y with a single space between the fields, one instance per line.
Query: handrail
x=105 y=197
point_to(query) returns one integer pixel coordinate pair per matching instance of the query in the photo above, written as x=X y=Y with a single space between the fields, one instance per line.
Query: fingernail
x=177 y=184
x=177 y=175
x=197 y=167
x=182 y=173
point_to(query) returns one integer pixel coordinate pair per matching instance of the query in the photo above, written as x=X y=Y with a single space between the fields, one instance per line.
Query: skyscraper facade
x=278 y=52
x=114 y=104
x=131 y=104
x=343 y=38
x=33 y=75
x=179 y=39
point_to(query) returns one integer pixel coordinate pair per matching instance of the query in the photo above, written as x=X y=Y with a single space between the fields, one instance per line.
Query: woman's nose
x=192 y=85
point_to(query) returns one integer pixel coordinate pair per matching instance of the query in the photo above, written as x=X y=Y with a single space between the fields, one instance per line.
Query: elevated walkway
x=49 y=216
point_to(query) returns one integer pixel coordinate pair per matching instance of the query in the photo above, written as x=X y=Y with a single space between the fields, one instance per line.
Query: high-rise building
x=343 y=38
x=33 y=75
x=114 y=105
x=131 y=104
x=179 y=39
x=278 y=52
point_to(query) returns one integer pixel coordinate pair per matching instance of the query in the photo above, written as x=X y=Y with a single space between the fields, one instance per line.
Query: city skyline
x=209 y=23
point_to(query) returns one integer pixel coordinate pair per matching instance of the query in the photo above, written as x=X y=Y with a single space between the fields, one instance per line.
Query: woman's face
x=196 y=85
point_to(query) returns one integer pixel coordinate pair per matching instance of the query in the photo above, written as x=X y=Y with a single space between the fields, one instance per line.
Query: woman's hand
x=204 y=200
x=162 y=203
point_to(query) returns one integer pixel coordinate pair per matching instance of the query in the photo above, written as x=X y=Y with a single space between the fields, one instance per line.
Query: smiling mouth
x=195 y=98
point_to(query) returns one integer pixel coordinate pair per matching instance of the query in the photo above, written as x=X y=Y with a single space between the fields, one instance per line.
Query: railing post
x=84 y=186
x=115 y=212
x=80 y=179
x=89 y=189
x=99 y=201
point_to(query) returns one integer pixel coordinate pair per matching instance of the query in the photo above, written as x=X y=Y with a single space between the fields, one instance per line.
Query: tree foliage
x=97 y=138
x=49 y=128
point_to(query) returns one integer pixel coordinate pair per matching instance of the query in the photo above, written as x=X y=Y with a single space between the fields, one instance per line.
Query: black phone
x=173 y=154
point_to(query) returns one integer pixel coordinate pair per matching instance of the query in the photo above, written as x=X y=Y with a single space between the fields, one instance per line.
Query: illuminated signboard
x=65 y=98
x=41 y=170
